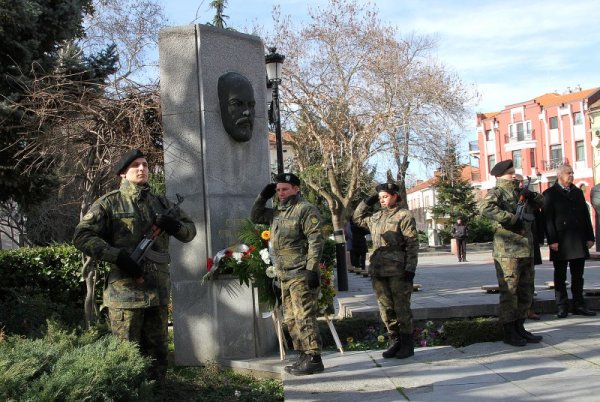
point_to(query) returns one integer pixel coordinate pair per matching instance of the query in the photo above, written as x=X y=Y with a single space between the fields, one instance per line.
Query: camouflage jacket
x=395 y=240
x=296 y=238
x=118 y=220
x=500 y=205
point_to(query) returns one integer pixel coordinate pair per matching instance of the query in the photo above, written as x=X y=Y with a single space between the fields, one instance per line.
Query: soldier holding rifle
x=130 y=228
x=510 y=207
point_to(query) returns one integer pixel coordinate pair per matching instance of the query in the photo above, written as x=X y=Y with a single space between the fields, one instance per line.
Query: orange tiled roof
x=286 y=136
x=466 y=174
x=553 y=98
x=488 y=115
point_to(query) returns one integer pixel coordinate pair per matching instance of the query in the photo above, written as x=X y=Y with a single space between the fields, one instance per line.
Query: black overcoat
x=568 y=223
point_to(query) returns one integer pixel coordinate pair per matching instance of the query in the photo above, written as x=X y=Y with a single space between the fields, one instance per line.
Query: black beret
x=287 y=178
x=126 y=160
x=391 y=188
x=501 y=167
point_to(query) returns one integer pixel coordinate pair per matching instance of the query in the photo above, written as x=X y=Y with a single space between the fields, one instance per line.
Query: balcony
x=519 y=136
x=473 y=147
x=554 y=164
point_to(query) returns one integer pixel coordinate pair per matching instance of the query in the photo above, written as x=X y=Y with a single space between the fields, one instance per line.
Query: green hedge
x=40 y=283
x=54 y=271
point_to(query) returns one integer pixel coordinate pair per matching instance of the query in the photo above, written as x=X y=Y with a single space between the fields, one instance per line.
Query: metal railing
x=522 y=136
x=554 y=164
x=473 y=146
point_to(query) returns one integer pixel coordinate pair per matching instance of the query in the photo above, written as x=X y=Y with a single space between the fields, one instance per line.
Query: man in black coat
x=570 y=234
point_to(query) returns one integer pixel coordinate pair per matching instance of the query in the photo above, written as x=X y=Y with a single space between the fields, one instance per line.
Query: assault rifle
x=144 y=246
x=522 y=206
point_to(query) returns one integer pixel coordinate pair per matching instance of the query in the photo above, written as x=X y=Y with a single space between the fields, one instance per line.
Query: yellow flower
x=381 y=339
x=350 y=339
x=265 y=235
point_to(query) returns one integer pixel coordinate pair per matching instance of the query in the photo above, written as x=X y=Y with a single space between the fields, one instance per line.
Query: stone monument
x=219 y=176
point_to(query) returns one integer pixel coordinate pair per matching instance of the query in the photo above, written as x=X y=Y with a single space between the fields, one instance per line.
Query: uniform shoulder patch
x=314 y=220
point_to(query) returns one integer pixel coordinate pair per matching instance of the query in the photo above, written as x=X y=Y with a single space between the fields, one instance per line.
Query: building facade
x=422 y=197
x=540 y=135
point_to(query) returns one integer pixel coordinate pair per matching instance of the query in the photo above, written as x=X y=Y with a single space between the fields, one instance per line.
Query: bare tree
x=350 y=93
x=132 y=25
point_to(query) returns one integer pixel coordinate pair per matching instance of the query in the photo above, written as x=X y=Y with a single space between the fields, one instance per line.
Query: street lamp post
x=539 y=177
x=274 y=63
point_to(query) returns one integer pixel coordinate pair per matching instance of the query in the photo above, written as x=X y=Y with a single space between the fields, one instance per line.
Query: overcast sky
x=510 y=50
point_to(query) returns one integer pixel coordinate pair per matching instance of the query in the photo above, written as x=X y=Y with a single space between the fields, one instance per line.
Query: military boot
x=407 y=346
x=310 y=364
x=394 y=344
x=511 y=336
x=299 y=359
x=523 y=333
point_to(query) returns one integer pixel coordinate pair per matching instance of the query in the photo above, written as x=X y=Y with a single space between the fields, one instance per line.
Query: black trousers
x=461 y=249
x=358 y=258
x=560 y=276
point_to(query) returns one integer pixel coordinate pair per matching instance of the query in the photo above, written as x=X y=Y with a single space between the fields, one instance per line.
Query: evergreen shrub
x=465 y=332
x=68 y=366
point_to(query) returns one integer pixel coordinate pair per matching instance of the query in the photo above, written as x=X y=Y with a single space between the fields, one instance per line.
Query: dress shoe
x=582 y=310
x=562 y=312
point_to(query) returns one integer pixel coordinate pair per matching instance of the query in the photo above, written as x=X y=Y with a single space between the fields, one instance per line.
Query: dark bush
x=460 y=333
x=40 y=283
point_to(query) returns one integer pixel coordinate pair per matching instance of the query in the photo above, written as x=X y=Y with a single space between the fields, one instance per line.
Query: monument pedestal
x=231 y=327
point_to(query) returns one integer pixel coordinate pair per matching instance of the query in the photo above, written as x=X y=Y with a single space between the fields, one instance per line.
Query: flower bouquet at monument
x=249 y=262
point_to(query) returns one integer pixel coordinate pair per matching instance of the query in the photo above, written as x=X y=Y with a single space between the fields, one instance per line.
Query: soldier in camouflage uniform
x=513 y=250
x=392 y=264
x=136 y=296
x=296 y=247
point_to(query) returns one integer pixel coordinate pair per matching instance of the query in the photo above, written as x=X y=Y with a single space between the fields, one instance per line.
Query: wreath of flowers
x=250 y=262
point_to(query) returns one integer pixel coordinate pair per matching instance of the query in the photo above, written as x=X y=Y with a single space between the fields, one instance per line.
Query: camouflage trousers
x=393 y=296
x=300 y=309
x=148 y=327
x=516 y=284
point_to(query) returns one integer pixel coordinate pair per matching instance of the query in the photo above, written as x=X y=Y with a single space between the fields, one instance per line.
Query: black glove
x=167 y=223
x=269 y=190
x=127 y=265
x=408 y=276
x=372 y=200
x=516 y=223
x=312 y=279
x=527 y=194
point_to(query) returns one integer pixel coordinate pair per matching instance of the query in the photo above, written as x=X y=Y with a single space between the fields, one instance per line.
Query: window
x=489 y=135
x=556 y=153
x=517 y=161
x=579 y=151
x=553 y=123
x=532 y=157
x=491 y=162
x=577 y=119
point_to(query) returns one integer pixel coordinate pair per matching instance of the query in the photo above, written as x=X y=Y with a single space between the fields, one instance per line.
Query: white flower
x=264 y=254
x=238 y=257
x=270 y=271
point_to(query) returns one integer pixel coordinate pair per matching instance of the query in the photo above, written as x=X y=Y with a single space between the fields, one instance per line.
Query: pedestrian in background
x=570 y=236
x=297 y=246
x=512 y=251
x=137 y=296
x=358 y=247
x=392 y=264
x=460 y=232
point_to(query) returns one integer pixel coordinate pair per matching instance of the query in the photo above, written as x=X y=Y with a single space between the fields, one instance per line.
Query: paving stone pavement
x=565 y=366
